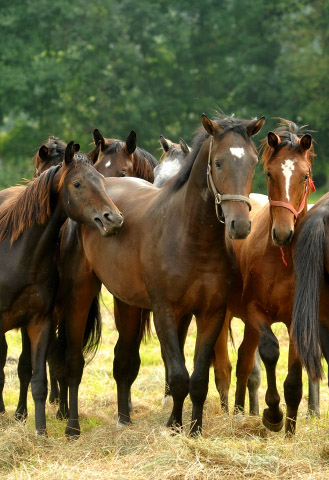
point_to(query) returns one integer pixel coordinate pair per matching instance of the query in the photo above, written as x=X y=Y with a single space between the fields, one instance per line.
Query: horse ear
x=131 y=142
x=211 y=127
x=273 y=139
x=305 y=142
x=76 y=147
x=255 y=126
x=165 y=144
x=99 y=139
x=43 y=152
x=183 y=145
x=69 y=152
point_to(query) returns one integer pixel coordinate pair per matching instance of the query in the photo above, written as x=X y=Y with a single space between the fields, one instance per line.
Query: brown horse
x=30 y=220
x=310 y=324
x=50 y=154
x=171 y=258
x=115 y=158
x=263 y=291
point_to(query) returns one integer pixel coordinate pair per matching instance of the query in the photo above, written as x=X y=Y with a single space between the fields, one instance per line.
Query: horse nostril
x=232 y=225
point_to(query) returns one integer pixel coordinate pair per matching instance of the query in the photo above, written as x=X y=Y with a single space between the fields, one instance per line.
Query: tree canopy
x=67 y=68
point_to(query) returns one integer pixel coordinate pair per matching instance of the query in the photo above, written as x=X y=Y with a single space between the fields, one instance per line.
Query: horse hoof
x=42 y=432
x=274 y=427
x=72 y=433
x=121 y=425
x=21 y=416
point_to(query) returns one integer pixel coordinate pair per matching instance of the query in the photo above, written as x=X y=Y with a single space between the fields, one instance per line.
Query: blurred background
x=69 y=67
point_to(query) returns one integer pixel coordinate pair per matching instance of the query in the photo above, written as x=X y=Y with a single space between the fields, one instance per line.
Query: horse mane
x=289 y=134
x=31 y=206
x=144 y=162
x=228 y=123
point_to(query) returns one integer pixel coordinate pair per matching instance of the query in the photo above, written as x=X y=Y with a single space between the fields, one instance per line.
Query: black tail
x=309 y=270
x=93 y=331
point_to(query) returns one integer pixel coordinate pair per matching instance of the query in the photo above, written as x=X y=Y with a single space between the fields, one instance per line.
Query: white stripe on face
x=237 y=152
x=108 y=164
x=287 y=169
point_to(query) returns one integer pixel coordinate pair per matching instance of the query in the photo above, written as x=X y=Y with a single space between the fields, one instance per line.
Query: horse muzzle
x=108 y=223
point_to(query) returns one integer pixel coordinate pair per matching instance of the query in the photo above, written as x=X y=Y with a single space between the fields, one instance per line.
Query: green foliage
x=156 y=66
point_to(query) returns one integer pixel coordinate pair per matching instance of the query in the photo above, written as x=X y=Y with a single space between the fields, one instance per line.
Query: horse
x=310 y=321
x=171 y=161
x=263 y=291
x=172 y=258
x=30 y=219
x=113 y=160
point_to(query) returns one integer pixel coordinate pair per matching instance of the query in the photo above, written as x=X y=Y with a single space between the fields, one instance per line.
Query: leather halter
x=221 y=197
x=277 y=203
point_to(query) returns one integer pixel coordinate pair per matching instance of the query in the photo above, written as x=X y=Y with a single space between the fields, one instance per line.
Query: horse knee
x=179 y=384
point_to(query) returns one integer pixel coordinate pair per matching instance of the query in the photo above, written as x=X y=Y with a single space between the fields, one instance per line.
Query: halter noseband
x=277 y=203
x=221 y=197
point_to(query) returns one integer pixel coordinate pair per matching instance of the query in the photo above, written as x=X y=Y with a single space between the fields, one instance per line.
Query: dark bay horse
x=171 y=257
x=115 y=158
x=310 y=324
x=171 y=161
x=263 y=291
x=112 y=158
x=30 y=219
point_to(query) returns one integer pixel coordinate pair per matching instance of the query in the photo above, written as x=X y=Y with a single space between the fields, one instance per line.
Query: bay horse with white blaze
x=172 y=258
x=30 y=219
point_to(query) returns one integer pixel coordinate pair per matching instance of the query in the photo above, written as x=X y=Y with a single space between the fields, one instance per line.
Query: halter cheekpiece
x=221 y=197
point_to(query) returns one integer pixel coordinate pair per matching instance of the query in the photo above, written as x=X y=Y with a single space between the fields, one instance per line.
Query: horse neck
x=198 y=211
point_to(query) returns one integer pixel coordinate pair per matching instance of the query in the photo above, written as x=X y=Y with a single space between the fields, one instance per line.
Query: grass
x=232 y=447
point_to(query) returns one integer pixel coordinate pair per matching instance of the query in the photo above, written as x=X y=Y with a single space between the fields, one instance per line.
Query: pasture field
x=232 y=447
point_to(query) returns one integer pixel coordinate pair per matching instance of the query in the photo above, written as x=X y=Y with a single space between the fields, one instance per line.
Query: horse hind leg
x=269 y=352
x=293 y=389
x=254 y=384
x=24 y=370
x=313 y=409
x=3 y=357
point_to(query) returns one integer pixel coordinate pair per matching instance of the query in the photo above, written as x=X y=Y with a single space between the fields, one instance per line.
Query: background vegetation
x=67 y=68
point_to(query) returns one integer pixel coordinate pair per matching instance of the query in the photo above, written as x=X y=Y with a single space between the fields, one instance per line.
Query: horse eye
x=76 y=184
x=218 y=164
x=306 y=177
x=268 y=174
x=122 y=174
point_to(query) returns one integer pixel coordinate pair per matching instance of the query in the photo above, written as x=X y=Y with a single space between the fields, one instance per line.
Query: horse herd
x=179 y=238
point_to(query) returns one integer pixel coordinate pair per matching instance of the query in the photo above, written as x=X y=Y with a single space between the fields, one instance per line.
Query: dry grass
x=233 y=447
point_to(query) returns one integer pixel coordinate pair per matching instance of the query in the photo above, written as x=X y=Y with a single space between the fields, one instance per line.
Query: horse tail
x=309 y=262
x=145 y=326
x=93 y=331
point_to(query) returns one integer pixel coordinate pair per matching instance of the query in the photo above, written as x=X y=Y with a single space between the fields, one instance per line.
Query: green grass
x=233 y=447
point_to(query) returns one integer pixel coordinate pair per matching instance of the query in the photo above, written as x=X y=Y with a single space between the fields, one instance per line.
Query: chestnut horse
x=310 y=324
x=263 y=291
x=171 y=161
x=30 y=219
x=171 y=258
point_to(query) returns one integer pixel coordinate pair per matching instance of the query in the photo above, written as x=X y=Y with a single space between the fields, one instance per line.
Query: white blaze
x=237 y=152
x=108 y=164
x=287 y=169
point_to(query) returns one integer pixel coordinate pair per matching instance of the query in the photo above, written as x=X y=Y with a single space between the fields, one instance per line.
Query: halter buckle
x=218 y=198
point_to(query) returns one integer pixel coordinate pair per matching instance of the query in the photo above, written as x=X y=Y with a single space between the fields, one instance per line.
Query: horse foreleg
x=39 y=334
x=165 y=321
x=293 y=389
x=222 y=364
x=208 y=330
x=253 y=384
x=182 y=330
x=269 y=351
x=3 y=357
x=245 y=364
x=24 y=370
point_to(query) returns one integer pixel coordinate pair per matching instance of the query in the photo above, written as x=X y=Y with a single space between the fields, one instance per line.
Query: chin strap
x=221 y=197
